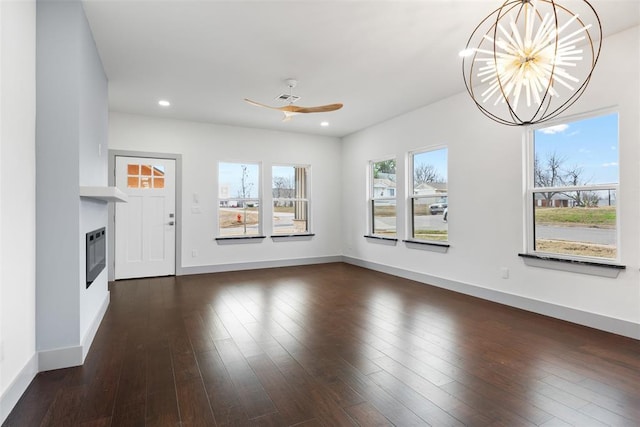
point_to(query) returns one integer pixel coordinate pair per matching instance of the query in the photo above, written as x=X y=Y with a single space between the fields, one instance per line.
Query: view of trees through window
x=383 y=198
x=239 y=199
x=429 y=201
x=575 y=182
x=290 y=199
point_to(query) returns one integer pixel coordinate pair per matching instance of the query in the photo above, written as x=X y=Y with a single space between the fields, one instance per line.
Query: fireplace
x=96 y=254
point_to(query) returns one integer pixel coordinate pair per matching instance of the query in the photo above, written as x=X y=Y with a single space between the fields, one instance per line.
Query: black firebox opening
x=96 y=254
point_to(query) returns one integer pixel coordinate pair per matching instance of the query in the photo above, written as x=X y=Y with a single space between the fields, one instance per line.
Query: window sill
x=428 y=246
x=593 y=268
x=292 y=237
x=382 y=240
x=239 y=239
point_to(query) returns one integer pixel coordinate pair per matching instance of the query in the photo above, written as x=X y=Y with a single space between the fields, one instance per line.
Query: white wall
x=71 y=124
x=57 y=159
x=17 y=201
x=93 y=140
x=202 y=146
x=486 y=226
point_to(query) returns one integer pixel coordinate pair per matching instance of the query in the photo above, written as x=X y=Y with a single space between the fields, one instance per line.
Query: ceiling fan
x=291 y=110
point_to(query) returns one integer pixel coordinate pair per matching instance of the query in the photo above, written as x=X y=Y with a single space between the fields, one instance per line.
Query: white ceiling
x=379 y=58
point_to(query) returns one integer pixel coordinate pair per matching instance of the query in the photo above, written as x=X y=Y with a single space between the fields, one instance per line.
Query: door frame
x=111 y=233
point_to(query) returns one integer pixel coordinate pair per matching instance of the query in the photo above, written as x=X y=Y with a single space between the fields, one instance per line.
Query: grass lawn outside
x=600 y=217
x=432 y=235
x=576 y=248
x=236 y=218
x=385 y=211
x=283 y=209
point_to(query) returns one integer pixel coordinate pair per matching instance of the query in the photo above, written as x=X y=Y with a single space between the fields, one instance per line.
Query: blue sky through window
x=436 y=158
x=286 y=172
x=590 y=144
x=230 y=176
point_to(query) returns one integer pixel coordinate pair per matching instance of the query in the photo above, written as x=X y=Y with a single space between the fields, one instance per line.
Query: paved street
x=602 y=236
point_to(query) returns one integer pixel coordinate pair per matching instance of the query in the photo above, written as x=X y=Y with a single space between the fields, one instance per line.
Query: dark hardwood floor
x=332 y=345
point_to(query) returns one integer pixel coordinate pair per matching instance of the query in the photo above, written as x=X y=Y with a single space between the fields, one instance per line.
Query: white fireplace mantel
x=106 y=194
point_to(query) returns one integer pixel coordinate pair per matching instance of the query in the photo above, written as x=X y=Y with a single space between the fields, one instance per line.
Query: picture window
x=573 y=188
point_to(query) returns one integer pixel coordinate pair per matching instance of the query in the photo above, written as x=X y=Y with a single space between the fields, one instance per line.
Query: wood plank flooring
x=332 y=345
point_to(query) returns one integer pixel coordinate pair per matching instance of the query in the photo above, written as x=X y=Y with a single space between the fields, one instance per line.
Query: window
x=573 y=188
x=239 y=198
x=145 y=176
x=383 y=198
x=289 y=187
x=429 y=201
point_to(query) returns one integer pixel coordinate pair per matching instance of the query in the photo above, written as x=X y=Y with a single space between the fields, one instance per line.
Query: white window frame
x=373 y=198
x=257 y=199
x=307 y=199
x=412 y=197
x=530 y=190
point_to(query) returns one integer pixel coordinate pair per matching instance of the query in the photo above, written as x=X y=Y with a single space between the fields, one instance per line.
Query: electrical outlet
x=194 y=253
x=504 y=272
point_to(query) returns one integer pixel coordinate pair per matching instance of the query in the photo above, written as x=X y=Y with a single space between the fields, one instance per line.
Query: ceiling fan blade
x=290 y=110
x=319 y=109
x=257 y=104
x=286 y=108
x=298 y=109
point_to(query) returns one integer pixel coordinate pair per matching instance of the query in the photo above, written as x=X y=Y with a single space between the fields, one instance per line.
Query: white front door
x=145 y=226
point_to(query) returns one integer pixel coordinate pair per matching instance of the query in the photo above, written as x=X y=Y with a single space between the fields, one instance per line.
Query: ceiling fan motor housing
x=291 y=83
x=289 y=97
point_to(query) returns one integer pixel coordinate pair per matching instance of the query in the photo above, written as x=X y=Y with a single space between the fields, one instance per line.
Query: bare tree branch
x=552 y=173
x=426 y=173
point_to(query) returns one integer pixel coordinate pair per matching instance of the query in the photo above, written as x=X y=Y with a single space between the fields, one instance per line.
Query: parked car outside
x=438 y=208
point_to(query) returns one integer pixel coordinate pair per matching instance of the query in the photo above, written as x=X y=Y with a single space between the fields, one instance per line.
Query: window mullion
x=558 y=189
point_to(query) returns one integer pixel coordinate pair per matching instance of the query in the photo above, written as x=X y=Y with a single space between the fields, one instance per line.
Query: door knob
x=171 y=223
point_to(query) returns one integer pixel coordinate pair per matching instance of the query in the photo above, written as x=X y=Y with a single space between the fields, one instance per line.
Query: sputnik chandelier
x=530 y=60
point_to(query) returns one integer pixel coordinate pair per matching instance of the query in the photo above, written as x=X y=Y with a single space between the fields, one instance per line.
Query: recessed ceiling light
x=164 y=103
x=324 y=124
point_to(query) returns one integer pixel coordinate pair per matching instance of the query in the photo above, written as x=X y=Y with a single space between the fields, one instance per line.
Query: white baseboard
x=93 y=328
x=258 y=264
x=17 y=387
x=68 y=357
x=592 y=320
x=59 y=358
